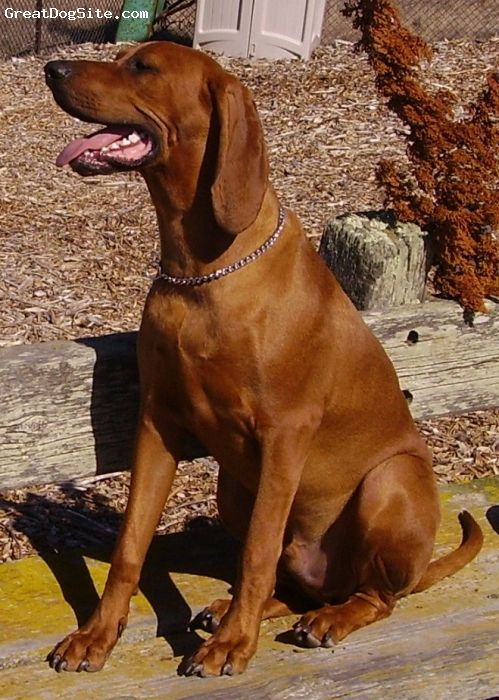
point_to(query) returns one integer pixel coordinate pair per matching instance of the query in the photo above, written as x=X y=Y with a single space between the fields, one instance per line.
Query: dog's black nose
x=57 y=70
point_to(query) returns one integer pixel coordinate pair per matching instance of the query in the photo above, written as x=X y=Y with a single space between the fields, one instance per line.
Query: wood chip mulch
x=77 y=255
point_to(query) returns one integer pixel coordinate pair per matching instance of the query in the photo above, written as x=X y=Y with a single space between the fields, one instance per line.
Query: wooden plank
x=69 y=408
x=453 y=367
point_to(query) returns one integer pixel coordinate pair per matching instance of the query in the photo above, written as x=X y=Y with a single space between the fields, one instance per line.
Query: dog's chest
x=202 y=373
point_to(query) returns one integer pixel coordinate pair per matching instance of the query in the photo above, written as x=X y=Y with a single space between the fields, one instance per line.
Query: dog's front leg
x=234 y=643
x=152 y=473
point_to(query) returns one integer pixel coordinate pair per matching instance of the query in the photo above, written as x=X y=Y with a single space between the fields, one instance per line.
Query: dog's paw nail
x=190 y=668
x=227 y=669
x=195 y=670
x=53 y=659
x=198 y=622
x=312 y=642
x=327 y=641
x=84 y=665
x=300 y=629
x=61 y=665
x=304 y=636
x=204 y=621
x=299 y=632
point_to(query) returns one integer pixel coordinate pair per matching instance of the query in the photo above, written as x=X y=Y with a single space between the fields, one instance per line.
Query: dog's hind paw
x=304 y=637
x=209 y=618
x=205 y=620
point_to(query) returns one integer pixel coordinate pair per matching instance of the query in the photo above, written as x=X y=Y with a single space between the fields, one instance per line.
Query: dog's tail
x=447 y=565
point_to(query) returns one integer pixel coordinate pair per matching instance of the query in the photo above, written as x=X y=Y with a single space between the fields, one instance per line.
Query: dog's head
x=167 y=107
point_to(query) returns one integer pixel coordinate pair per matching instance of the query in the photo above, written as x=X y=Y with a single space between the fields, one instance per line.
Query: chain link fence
x=24 y=35
x=433 y=21
x=177 y=21
x=20 y=35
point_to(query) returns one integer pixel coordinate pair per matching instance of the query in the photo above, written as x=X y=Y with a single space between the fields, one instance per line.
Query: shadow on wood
x=114 y=403
x=205 y=551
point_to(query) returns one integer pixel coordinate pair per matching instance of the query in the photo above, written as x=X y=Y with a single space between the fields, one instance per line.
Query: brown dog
x=248 y=343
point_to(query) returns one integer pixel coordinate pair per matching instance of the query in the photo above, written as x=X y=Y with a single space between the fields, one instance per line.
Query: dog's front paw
x=219 y=657
x=87 y=649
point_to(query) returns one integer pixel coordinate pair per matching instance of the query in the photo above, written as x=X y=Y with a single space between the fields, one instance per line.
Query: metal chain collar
x=224 y=271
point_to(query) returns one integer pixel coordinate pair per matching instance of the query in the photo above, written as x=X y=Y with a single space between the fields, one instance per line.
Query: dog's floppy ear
x=241 y=174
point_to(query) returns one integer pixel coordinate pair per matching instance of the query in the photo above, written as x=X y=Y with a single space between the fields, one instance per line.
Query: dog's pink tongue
x=94 y=142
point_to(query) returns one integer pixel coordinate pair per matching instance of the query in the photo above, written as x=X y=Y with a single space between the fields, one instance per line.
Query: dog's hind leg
x=235 y=505
x=396 y=517
x=332 y=623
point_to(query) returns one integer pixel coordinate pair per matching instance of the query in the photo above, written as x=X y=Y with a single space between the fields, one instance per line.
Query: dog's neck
x=192 y=243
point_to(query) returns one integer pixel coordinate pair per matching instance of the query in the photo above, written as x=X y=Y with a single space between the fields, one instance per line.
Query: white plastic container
x=259 y=28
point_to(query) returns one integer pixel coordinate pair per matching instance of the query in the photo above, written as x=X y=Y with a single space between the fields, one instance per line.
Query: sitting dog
x=249 y=344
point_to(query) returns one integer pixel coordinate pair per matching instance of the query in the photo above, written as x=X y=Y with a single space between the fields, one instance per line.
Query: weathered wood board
x=437 y=645
x=452 y=367
x=69 y=408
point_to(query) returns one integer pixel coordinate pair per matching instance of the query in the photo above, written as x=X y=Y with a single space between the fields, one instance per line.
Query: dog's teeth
x=125 y=141
x=105 y=149
x=134 y=137
x=114 y=146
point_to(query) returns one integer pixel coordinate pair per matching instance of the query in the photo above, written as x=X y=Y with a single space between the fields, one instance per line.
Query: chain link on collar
x=228 y=269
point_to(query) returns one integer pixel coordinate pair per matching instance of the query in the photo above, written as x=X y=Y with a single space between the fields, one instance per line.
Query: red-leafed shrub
x=451 y=186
